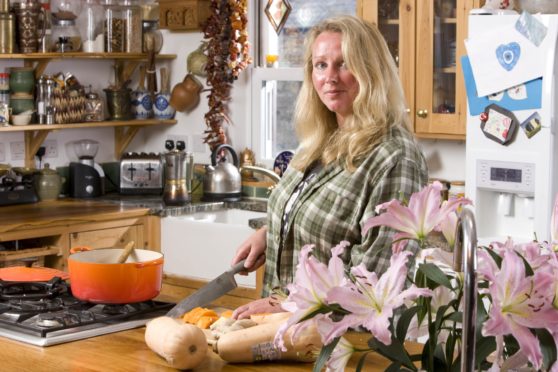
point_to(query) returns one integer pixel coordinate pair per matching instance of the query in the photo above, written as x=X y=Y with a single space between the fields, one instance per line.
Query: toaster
x=141 y=173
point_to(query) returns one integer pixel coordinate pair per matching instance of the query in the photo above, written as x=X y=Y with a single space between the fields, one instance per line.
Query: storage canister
x=65 y=36
x=22 y=80
x=133 y=31
x=7 y=33
x=457 y=189
x=114 y=27
x=90 y=23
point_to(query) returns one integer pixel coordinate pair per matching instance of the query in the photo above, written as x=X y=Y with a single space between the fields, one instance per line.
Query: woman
x=355 y=152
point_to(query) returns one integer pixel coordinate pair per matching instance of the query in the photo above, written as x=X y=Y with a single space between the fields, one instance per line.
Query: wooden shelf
x=124 y=132
x=82 y=55
x=29 y=252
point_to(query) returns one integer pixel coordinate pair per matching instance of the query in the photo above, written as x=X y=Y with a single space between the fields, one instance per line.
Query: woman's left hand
x=261 y=306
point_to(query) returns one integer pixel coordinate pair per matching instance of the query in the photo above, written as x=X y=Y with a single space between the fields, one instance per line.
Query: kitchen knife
x=209 y=292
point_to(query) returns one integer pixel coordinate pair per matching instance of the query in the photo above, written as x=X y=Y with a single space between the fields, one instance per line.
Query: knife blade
x=216 y=288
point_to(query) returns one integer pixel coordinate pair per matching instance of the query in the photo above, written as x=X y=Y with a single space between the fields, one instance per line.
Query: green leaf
x=394 y=352
x=484 y=347
x=393 y=367
x=495 y=256
x=548 y=347
x=456 y=316
x=528 y=269
x=404 y=321
x=325 y=353
x=434 y=273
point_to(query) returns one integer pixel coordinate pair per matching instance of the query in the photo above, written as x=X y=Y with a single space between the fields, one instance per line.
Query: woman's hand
x=261 y=306
x=253 y=250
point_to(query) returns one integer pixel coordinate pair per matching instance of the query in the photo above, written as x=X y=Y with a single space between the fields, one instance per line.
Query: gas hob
x=46 y=313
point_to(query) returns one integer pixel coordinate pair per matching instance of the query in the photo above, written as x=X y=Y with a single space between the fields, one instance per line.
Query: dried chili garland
x=227 y=55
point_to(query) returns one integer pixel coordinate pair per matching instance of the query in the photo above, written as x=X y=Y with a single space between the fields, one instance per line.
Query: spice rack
x=124 y=131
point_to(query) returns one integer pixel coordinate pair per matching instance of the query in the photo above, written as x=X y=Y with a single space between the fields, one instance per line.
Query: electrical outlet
x=51 y=148
x=17 y=150
x=2 y=152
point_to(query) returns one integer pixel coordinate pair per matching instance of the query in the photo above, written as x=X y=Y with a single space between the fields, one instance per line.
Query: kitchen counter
x=127 y=351
x=157 y=207
x=63 y=212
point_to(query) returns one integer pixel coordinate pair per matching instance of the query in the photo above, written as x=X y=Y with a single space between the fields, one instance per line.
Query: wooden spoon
x=126 y=252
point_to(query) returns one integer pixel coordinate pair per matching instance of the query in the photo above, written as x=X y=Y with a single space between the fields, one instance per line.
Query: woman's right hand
x=253 y=250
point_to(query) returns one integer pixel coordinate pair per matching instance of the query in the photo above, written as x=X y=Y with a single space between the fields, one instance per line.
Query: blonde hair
x=379 y=104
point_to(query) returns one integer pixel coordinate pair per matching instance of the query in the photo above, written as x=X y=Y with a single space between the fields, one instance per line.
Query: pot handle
x=219 y=148
x=77 y=249
x=156 y=262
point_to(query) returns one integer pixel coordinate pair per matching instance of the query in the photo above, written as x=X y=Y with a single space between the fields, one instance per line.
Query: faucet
x=465 y=261
x=264 y=171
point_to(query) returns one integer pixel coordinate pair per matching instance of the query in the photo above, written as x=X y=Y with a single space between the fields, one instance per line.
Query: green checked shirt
x=335 y=205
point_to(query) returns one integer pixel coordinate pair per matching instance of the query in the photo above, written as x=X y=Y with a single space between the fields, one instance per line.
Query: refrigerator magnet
x=500 y=124
x=532 y=125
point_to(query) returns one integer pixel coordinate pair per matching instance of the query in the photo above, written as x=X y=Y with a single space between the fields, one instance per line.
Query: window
x=275 y=89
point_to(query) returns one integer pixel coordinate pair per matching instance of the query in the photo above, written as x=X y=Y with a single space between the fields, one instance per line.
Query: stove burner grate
x=32 y=290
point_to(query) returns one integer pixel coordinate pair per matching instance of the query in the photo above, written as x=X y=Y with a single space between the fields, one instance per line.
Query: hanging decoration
x=277 y=11
x=227 y=55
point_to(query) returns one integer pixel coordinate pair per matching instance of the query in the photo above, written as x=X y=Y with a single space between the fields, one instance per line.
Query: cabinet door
x=108 y=238
x=396 y=21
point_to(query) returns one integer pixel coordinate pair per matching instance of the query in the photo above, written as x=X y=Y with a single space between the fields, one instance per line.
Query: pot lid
x=30 y=274
x=47 y=171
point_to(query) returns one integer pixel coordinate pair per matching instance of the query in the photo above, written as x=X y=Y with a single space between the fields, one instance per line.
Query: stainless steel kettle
x=222 y=181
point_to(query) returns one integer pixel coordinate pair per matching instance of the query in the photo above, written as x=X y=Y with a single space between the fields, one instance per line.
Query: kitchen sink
x=201 y=245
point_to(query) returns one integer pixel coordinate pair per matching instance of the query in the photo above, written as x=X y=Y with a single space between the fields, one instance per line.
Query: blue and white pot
x=162 y=108
x=142 y=105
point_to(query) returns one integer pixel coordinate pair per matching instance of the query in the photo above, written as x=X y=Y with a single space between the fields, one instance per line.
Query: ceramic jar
x=22 y=80
x=21 y=102
x=186 y=95
x=48 y=183
x=162 y=109
x=142 y=105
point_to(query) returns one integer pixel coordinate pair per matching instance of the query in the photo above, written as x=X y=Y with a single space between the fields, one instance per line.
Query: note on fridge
x=501 y=59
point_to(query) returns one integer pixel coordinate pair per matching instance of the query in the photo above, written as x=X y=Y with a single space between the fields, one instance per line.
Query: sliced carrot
x=227 y=314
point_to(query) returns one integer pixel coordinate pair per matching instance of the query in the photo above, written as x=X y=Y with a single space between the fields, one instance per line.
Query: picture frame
x=277 y=12
x=500 y=124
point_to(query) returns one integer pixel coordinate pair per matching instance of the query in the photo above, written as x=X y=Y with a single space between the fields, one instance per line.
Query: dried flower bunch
x=227 y=55
x=517 y=296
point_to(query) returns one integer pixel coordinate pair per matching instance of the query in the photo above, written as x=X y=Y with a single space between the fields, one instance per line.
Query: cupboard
x=426 y=38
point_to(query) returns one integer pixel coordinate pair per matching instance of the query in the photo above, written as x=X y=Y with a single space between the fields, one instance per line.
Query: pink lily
x=340 y=356
x=448 y=226
x=371 y=301
x=307 y=294
x=423 y=214
x=519 y=303
x=554 y=225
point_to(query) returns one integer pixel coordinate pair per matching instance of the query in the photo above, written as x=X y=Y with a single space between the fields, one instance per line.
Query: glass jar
x=65 y=36
x=65 y=9
x=114 y=27
x=122 y=26
x=90 y=23
x=94 y=110
x=150 y=30
x=133 y=28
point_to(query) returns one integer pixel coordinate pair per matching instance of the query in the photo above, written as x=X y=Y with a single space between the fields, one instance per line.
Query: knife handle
x=238 y=267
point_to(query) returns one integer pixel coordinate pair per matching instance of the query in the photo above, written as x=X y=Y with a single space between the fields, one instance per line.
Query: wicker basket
x=69 y=106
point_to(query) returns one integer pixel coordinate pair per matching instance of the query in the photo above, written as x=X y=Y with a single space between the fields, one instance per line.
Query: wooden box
x=183 y=15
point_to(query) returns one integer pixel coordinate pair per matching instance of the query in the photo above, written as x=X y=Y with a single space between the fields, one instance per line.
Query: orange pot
x=94 y=276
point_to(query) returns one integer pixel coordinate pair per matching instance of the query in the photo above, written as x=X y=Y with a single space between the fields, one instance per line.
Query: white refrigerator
x=513 y=184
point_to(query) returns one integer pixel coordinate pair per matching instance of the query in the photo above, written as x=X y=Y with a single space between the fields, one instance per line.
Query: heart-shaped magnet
x=508 y=55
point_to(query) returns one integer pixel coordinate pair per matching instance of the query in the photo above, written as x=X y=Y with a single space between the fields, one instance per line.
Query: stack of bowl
x=22 y=82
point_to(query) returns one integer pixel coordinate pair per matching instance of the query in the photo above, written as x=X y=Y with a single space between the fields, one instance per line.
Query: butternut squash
x=183 y=346
x=256 y=344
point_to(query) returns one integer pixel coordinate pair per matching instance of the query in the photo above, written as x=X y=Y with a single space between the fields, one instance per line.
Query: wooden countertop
x=62 y=213
x=127 y=351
